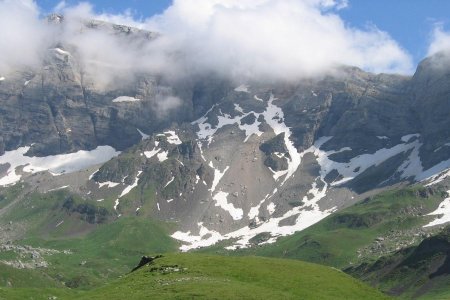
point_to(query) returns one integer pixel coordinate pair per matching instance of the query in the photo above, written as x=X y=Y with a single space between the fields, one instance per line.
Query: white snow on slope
x=438 y=178
x=198 y=240
x=254 y=211
x=243 y=88
x=436 y=170
x=144 y=136
x=222 y=202
x=55 y=164
x=217 y=176
x=127 y=189
x=206 y=130
x=271 y=208
x=2 y=78
x=173 y=138
x=361 y=163
x=170 y=181
x=150 y=154
x=443 y=210
x=309 y=213
x=162 y=156
x=125 y=99
x=132 y=186
x=278 y=174
x=108 y=184
x=58 y=188
x=61 y=51
x=274 y=117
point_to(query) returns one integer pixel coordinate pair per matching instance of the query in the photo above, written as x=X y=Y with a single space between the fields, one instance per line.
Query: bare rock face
x=429 y=90
x=247 y=163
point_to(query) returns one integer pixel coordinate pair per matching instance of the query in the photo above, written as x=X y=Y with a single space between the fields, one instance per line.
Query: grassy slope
x=99 y=253
x=335 y=240
x=417 y=271
x=107 y=252
x=217 y=277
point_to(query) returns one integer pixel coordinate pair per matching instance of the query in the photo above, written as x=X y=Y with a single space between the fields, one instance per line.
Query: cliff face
x=249 y=161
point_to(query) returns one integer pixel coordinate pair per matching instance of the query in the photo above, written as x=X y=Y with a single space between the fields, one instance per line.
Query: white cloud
x=440 y=40
x=276 y=39
x=22 y=35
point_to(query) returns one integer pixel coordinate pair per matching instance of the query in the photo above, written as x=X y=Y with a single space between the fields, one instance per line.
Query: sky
x=241 y=40
x=409 y=22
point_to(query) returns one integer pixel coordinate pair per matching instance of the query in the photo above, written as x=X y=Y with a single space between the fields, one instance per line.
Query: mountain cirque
x=245 y=162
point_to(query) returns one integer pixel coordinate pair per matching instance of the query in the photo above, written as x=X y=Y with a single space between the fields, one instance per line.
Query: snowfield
x=55 y=164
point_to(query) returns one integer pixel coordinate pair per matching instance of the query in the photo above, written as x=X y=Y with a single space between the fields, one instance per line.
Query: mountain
x=421 y=270
x=185 y=276
x=151 y=163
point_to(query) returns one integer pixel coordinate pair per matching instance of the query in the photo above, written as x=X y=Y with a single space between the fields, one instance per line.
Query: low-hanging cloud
x=239 y=39
x=274 y=38
x=23 y=37
x=440 y=40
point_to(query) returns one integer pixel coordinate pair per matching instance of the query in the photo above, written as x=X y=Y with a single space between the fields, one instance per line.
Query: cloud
x=440 y=40
x=274 y=38
x=239 y=39
x=22 y=37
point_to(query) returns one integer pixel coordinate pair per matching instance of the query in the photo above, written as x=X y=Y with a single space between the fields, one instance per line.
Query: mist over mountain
x=268 y=127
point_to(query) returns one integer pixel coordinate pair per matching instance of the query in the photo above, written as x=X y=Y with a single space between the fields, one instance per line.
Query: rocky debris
x=89 y=212
x=27 y=257
x=413 y=269
x=167 y=269
x=394 y=241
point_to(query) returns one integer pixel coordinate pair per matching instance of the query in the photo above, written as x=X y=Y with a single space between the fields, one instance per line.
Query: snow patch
x=198 y=241
x=274 y=117
x=127 y=190
x=143 y=135
x=173 y=138
x=243 y=88
x=408 y=137
x=58 y=188
x=438 y=178
x=132 y=186
x=222 y=202
x=258 y=99
x=116 y=204
x=61 y=51
x=238 y=108
x=206 y=130
x=271 y=208
x=108 y=184
x=170 y=181
x=162 y=156
x=443 y=210
x=125 y=99
x=357 y=165
x=150 y=154
x=254 y=211
x=55 y=164
x=217 y=176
